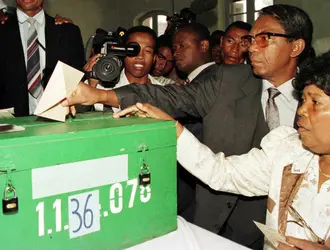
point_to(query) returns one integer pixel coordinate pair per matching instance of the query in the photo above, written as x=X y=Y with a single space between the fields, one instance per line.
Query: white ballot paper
x=7 y=113
x=61 y=84
x=272 y=235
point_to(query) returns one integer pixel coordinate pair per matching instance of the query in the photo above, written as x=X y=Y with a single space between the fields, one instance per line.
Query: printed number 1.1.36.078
x=84 y=209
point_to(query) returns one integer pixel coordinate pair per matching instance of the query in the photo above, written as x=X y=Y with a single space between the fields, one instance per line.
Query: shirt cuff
x=188 y=147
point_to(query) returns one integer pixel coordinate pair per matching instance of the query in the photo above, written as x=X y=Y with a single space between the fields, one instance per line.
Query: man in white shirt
x=136 y=69
x=33 y=45
x=230 y=104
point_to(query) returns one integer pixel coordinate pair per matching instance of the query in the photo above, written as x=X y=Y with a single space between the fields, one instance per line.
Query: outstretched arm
x=247 y=174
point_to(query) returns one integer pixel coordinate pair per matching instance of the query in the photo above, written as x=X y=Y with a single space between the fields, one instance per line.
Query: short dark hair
x=315 y=71
x=295 y=22
x=239 y=25
x=201 y=32
x=164 y=41
x=140 y=29
x=215 y=37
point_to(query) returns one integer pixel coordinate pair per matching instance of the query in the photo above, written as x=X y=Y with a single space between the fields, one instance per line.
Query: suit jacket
x=229 y=103
x=63 y=42
x=187 y=182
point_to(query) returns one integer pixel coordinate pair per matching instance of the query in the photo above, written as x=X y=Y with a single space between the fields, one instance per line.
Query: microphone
x=200 y=6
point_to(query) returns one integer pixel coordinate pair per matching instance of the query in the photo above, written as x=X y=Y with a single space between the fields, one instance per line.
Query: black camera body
x=185 y=16
x=111 y=44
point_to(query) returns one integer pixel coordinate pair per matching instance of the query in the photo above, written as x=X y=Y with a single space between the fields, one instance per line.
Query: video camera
x=107 y=69
x=188 y=15
x=179 y=19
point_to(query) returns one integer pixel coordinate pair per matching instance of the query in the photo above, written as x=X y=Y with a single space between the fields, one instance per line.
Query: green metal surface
x=88 y=137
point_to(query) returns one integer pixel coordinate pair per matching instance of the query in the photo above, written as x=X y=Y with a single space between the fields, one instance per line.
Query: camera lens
x=108 y=68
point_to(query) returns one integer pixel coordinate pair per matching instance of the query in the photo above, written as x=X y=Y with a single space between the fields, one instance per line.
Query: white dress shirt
x=198 y=70
x=24 y=28
x=260 y=172
x=123 y=81
x=286 y=102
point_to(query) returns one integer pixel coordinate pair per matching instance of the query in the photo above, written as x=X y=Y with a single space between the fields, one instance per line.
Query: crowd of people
x=238 y=97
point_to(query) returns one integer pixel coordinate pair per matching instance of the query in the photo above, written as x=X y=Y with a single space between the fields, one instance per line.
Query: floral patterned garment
x=316 y=212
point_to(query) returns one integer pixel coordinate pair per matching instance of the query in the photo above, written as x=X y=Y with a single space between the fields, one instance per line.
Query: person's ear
x=298 y=47
x=154 y=59
x=205 y=45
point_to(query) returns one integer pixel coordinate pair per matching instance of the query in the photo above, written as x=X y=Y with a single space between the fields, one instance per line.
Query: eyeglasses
x=302 y=223
x=262 y=39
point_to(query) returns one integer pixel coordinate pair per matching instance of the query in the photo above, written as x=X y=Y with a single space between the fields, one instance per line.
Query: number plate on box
x=84 y=213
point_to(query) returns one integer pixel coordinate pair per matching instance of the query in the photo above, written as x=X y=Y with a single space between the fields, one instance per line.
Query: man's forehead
x=266 y=23
x=185 y=34
x=236 y=32
x=165 y=52
x=164 y=49
x=140 y=37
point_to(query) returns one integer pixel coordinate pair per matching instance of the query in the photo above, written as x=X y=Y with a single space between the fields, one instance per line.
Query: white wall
x=319 y=12
x=108 y=14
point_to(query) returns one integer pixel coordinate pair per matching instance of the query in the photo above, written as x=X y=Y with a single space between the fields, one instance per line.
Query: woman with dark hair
x=292 y=167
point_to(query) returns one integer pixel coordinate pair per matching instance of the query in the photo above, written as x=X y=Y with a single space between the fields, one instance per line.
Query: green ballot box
x=93 y=182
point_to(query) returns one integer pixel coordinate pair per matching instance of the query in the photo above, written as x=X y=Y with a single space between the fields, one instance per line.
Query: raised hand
x=89 y=67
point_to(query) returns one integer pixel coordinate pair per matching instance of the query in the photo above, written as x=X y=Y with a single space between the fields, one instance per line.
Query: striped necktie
x=272 y=114
x=33 y=61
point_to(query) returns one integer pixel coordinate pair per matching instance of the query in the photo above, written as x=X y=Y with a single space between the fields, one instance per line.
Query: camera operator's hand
x=60 y=20
x=89 y=67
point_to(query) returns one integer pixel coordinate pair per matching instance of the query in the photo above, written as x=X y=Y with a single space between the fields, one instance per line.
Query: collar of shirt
x=286 y=89
x=124 y=81
x=39 y=17
x=198 y=70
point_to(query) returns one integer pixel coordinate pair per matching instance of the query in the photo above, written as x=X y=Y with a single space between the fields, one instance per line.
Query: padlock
x=144 y=176
x=9 y=205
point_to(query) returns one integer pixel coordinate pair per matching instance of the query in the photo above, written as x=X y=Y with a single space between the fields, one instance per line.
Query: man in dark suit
x=192 y=54
x=234 y=106
x=55 y=42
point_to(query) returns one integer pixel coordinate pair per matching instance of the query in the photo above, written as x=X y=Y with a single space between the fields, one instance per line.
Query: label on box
x=75 y=176
x=84 y=213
